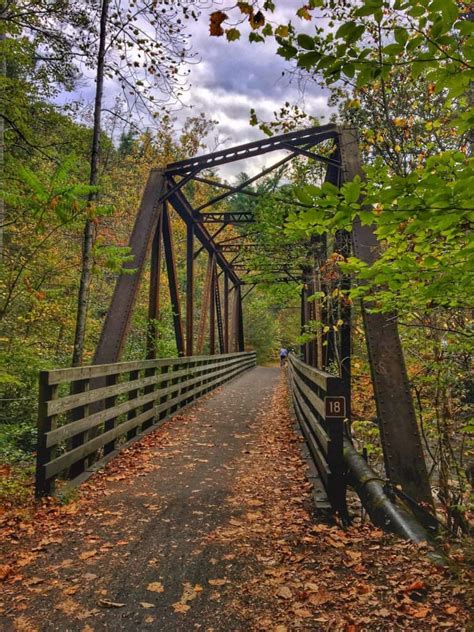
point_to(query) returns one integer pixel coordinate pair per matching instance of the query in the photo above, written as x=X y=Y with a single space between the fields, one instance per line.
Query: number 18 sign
x=334 y=406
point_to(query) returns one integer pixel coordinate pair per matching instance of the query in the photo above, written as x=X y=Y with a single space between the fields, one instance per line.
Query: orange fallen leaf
x=217 y=582
x=421 y=613
x=180 y=607
x=156 y=587
x=5 y=570
x=284 y=592
x=87 y=554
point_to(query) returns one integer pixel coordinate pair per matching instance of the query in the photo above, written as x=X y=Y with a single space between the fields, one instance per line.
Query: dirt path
x=207 y=525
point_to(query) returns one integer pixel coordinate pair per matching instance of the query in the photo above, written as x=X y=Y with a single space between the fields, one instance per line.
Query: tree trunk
x=3 y=72
x=89 y=228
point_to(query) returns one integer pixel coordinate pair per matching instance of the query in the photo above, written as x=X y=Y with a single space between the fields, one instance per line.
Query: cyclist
x=283 y=356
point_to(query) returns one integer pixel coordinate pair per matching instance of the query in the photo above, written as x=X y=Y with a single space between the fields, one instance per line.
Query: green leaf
x=308 y=60
x=306 y=42
x=351 y=191
x=233 y=34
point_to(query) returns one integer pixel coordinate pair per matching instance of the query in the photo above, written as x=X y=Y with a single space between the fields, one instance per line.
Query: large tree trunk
x=89 y=228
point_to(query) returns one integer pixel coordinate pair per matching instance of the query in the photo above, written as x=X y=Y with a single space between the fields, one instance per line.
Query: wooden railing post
x=335 y=411
x=110 y=380
x=46 y=423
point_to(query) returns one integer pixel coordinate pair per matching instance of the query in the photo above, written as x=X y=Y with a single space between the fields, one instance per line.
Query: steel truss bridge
x=87 y=413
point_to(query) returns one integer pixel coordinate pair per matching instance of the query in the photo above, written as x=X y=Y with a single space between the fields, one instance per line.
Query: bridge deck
x=206 y=525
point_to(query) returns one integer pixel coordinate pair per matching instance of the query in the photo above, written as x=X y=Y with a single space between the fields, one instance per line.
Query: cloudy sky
x=232 y=78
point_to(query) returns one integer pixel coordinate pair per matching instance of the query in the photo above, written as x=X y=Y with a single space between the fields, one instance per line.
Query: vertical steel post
x=303 y=321
x=226 y=312
x=117 y=322
x=154 y=291
x=401 y=442
x=206 y=294
x=172 y=281
x=342 y=245
x=189 y=289
x=212 y=310
x=240 y=320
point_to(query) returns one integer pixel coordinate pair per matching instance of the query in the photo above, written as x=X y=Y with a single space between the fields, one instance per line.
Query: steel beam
x=173 y=281
x=189 y=289
x=117 y=321
x=212 y=310
x=205 y=305
x=311 y=136
x=401 y=442
x=154 y=290
x=226 y=312
x=185 y=211
x=226 y=218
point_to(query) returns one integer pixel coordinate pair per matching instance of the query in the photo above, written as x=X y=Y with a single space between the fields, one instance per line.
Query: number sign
x=335 y=407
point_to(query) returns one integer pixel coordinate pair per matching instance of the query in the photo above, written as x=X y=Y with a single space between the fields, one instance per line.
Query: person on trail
x=283 y=356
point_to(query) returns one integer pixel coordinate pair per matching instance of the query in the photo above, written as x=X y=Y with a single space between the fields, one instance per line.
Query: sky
x=232 y=78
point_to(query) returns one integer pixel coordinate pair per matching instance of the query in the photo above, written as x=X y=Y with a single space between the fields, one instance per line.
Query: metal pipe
x=382 y=511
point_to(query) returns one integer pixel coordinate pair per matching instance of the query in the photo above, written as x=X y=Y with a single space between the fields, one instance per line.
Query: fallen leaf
x=421 y=613
x=217 y=582
x=34 y=581
x=87 y=554
x=180 y=607
x=284 y=592
x=110 y=604
x=146 y=604
x=5 y=570
x=156 y=587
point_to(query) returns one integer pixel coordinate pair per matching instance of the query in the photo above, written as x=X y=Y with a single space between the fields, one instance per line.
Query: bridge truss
x=222 y=299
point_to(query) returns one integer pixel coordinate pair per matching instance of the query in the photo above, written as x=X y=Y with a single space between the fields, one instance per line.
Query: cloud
x=228 y=80
x=232 y=78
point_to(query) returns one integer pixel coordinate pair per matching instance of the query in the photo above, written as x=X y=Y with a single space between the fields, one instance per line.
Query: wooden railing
x=321 y=409
x=87 y=414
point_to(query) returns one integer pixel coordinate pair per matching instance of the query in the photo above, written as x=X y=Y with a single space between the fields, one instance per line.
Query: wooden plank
x=110 y=423
x=66 y=460
x=131 y=396
x=80 y=399
x=97 y=466
x=316 y=402
x=80 y=386
x=44 y=485
x=316 y=454
x=316 y=427
x=60 y=376
x=316 y=375
x=69 y=430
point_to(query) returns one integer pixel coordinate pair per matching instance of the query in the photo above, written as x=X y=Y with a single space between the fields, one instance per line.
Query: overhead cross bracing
x=205 y=222
x=299 y=143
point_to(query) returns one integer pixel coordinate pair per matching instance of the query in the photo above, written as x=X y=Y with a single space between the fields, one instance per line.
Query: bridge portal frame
x=403 y=453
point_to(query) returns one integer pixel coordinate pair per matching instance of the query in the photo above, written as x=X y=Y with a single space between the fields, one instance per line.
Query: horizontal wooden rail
x=88 y=414
x=320 y=407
